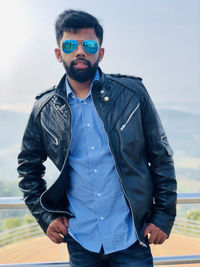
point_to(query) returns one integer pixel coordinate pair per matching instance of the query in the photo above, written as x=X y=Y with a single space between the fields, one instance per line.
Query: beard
x=81 y=75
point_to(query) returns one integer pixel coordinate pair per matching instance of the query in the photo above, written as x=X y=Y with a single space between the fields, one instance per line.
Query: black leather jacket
x=143 y=157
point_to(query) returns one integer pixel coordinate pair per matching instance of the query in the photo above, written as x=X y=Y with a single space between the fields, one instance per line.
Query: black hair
x=73 y=20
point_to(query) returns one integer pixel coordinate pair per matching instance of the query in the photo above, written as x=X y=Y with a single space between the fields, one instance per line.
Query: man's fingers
x=61 y=228
x=162 y=240
x=157 y=239
x=152 y=237
x=58 y=226
x=161 y=237
x=164 y=237
x=56 y=230
x=147 y=230
x=56 y=238
x=157 y=236
x=66 y=222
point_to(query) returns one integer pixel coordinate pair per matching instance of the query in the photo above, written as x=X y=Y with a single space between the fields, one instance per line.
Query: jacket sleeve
x=160 y=159
x=31 y=172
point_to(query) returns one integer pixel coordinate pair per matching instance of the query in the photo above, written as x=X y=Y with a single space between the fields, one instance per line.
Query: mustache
x=82 y=59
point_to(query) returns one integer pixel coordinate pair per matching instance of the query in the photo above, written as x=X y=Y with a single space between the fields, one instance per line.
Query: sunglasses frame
x=80 y=42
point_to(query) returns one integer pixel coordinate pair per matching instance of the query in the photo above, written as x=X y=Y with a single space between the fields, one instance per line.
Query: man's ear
x=58 y=54
x=101 y=53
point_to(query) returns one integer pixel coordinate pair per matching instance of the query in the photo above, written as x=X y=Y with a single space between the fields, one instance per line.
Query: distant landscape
x=12 y=127
x=182 y=128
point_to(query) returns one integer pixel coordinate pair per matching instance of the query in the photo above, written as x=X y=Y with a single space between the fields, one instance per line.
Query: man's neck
x=80 y=89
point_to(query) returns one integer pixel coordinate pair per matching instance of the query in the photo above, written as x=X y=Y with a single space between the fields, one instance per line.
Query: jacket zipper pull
x=122 y=128
x=142 y=244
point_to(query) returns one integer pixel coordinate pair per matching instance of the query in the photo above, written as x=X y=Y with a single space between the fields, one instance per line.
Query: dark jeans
x=134 y=256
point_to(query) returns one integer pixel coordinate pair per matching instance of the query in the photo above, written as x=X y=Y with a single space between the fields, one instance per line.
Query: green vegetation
x=10 y=223
x=194 y=215
x=13 y=222
x=16 y=229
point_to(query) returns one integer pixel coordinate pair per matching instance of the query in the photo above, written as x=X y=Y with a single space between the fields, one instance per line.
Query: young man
x=116 y=192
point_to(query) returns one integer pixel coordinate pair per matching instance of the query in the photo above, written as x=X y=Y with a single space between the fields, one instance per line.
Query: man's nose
x=80 y=50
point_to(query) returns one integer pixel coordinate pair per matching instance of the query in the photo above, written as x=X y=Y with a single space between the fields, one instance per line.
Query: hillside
x=12 y=125
x=182 y=128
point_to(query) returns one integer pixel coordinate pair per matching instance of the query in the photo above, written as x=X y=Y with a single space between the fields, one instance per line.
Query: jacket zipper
x=56 y=139
x=130 y=116
x=140 y=242
x=57 y=211
x=61 y=211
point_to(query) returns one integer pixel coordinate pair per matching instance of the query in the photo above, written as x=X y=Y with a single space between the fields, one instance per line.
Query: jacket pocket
x=53 y=137
x=129 y=117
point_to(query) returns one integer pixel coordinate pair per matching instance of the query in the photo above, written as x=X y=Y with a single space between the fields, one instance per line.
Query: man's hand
x=57 y=229
x=157 y=236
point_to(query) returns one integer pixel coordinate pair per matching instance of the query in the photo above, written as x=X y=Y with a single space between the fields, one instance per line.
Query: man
x=116 y=191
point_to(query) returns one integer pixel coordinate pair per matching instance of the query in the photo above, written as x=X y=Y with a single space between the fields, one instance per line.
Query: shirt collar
x=68 y=87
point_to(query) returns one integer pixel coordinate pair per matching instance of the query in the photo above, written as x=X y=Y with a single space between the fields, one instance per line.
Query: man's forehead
x=80 y=34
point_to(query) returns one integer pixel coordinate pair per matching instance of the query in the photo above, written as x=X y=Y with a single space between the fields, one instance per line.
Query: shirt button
x=102 y=91
x=92 y=147
x=95 y=170
x=98 y=194
x=102 y=218
x=88 y=125
x=106 y=98
x=85 y=102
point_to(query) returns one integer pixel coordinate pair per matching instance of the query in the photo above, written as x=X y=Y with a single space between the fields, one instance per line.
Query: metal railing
x=18 y=202
x=187 y=227
x=183 y=198
x=20 y=233
x=182 y=226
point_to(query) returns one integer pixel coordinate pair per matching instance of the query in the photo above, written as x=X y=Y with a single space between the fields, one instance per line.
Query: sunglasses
x=90 y=46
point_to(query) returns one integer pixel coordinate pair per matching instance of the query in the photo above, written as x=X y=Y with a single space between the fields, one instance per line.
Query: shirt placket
x=93 y=148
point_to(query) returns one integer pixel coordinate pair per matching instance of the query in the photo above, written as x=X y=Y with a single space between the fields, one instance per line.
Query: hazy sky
x=156 y=40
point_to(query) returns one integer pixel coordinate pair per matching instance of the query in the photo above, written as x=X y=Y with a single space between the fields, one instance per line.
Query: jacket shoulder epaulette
x=42 y=99
x=118 y=75
x=45 y=92
x=133 y=83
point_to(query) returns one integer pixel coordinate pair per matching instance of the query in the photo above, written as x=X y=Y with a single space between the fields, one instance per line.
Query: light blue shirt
x=102 y=216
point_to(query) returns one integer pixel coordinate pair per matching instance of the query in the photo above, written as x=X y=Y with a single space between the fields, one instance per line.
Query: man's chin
x=81 y=73
x=80 y=76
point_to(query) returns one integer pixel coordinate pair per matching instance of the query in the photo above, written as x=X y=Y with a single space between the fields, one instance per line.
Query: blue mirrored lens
x=69 y=46
x=90 y=46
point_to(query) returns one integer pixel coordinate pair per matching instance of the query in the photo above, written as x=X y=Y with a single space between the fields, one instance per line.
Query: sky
x=156 y=40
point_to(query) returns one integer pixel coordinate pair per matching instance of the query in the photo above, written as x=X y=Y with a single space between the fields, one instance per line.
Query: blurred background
x=156 y=40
